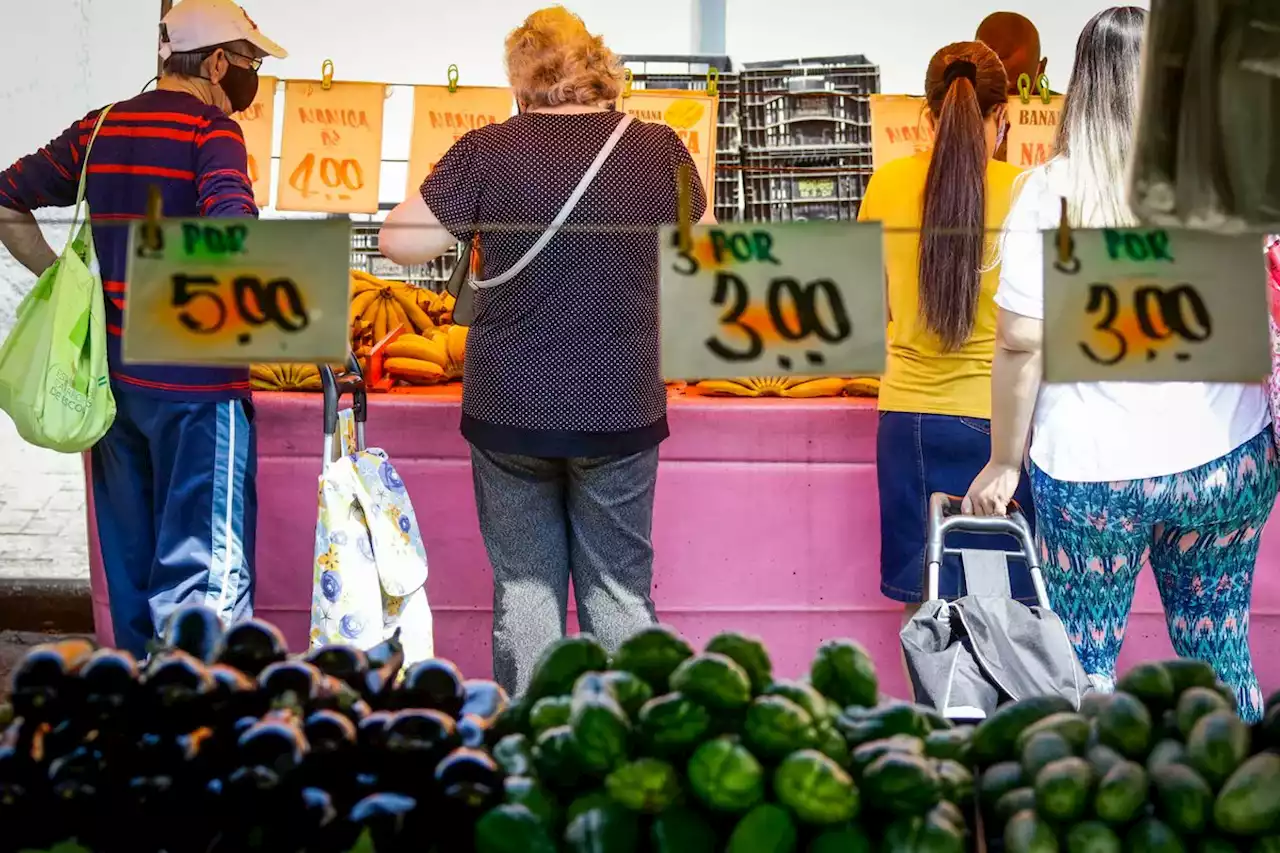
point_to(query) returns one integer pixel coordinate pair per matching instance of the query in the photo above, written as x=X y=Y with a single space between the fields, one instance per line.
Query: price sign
x=792 y=299
x=258 y=125
x=1033 y=130
x=331 y=147
x=441 y=118
x=1149 y=305
x=692 y=115
x=238 y=291
x=899 y=127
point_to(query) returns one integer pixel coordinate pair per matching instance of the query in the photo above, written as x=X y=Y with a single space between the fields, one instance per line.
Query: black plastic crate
x=810 y=184
x=728 y=206
x=689 y=73
x=365 y=257
x=807 y=102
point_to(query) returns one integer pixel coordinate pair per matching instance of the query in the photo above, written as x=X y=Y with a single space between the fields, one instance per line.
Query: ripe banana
x=863 y=386
x=816 y=388
x=414 y=368
x=380 y=320
x=418 y=347
x=408 y=305
x=361 y=302
x=456 y=342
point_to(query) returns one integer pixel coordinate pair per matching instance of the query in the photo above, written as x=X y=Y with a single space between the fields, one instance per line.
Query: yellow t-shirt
x=919 y=376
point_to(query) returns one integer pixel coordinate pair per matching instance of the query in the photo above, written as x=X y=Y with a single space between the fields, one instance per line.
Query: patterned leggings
x=1198 y=530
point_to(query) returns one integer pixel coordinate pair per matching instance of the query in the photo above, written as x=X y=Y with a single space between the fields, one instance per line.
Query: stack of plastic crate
x=690 y=73
x=365 y=257
x=807 y=137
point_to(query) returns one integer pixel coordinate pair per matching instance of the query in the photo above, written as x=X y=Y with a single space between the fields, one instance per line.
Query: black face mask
x=241 y=87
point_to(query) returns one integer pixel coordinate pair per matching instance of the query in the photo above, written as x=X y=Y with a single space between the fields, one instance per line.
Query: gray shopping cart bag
x=966 y=657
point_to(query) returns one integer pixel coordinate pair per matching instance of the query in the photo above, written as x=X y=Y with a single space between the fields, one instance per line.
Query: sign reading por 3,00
x=226 y=291
x=794 y=299
x=1155 y=305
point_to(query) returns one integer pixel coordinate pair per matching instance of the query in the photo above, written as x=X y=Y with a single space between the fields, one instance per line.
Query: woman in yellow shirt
x=935 y=397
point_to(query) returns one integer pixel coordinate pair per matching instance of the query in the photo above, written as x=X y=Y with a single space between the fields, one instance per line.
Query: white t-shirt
x=1106 y=431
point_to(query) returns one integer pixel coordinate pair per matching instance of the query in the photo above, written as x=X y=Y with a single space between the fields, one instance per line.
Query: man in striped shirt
x=174 y=479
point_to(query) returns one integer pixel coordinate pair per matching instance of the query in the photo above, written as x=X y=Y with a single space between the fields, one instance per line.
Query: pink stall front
x=766 y=522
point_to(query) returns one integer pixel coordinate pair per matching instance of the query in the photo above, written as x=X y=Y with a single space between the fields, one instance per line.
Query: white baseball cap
x=194 y=25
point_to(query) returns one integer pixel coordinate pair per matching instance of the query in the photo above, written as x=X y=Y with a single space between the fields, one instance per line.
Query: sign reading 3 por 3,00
x=792 y=299
x=237 y=291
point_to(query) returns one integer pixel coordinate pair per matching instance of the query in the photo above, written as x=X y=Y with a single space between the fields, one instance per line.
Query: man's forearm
x=21 y=235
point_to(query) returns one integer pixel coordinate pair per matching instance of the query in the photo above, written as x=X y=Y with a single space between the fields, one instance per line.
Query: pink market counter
x=766 y=522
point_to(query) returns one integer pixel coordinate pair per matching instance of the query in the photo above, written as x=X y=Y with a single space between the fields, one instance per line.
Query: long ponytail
x=965 y=83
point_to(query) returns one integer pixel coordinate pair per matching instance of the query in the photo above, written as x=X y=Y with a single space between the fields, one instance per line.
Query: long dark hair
x=964 y=84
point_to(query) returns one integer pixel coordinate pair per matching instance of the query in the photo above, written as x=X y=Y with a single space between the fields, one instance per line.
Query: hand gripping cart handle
x=334 y=386
x=945 y=517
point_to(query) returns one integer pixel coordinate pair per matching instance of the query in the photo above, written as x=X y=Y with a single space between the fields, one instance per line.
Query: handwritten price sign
x=1033 y=130
x=331 y=147
x=899 y=127
x=1150 y=305
x=258 y=124
x=793 y=299
x=229 y=291
x=441 y=118
x=692 y=115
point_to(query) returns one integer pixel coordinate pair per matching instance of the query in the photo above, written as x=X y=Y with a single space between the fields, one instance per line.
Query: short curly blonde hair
x=552 y=59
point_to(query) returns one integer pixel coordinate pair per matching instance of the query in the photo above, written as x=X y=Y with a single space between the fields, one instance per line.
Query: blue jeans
x=917 y=455
x=545 y=521
x=174 y=495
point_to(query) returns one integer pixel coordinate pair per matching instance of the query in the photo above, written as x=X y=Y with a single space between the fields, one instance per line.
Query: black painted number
x=726 y=282
x=1178 y=312
x=278 y=302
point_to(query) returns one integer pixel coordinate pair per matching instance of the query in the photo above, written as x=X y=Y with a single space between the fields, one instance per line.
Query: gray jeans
x=545 y=521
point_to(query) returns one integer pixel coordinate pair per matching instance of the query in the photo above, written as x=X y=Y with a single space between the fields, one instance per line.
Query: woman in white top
x=1178 y=476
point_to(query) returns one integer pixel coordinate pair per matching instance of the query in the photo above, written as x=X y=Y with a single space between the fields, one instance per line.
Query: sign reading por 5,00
x=1154 y=305
x=793 y=299
x=224 y=291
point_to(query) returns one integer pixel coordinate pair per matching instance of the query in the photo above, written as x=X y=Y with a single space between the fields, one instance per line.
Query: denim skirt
x=917 y=455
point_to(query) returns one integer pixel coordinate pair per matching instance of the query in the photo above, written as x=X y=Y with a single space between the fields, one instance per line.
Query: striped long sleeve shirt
x=195 y=154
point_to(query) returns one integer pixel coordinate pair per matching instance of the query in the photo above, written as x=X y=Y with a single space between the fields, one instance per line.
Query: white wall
x=73 y=55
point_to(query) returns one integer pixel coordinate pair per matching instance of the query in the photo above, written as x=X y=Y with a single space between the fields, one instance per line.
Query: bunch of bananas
x=780 y=386
x=379 y=306
x=428 y=359
x=284 y=377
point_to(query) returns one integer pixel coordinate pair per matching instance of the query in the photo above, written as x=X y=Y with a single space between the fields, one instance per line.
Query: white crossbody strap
x=564 y=211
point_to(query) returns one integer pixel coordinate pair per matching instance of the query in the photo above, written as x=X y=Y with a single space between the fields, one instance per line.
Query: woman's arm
x=1015 y=385
x=411 y=234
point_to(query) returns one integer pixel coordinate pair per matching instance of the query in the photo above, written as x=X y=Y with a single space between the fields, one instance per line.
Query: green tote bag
x=53 y=365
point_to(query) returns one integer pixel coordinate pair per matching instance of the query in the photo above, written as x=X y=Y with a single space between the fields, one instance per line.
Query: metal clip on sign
x=713 y=81
x=452 y=76
x=326 y=74
x=1024 y=88
x=627 y=78
x=684 y=207
x=1067 y=261
x=152 y=238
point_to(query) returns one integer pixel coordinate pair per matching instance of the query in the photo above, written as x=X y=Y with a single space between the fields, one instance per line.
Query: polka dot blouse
x=562 y=360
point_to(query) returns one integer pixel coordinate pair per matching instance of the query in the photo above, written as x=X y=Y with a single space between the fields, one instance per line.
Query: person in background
x=173 y=479
x=935 y=396
x=563 y=402
x=1177 y=476
x=1017 y=42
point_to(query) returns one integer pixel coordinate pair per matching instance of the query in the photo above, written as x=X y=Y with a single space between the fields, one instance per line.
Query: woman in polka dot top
x=563 y=401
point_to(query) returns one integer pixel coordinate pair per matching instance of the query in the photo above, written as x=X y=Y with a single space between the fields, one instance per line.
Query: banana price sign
x=899 y=127
x=257 y=123
x=692 y=115
x=331 y=147
x=441 y=117
x=1154 y=305
x=237 y=292
x=1033 y=131
x=786 y=299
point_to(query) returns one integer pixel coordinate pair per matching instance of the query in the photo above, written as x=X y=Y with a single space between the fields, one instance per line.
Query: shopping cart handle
x=945 y=517
x=350 y=382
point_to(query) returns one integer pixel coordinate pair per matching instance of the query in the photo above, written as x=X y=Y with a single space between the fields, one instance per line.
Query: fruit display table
x=766 y=522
